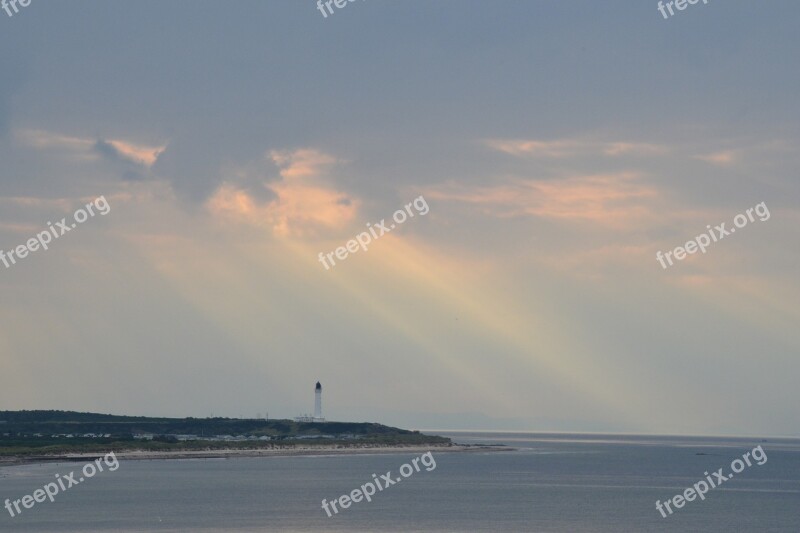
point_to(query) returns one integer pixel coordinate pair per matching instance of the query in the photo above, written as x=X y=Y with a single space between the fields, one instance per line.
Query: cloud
x=44 y=140
x=755 y=151
x=62 y=204
x=115 y=150
x=299 y=204
x=722 y=159
x=27 y=229
x=138 y=154
x=301 y=163
x=564 y=148
x=606 y=199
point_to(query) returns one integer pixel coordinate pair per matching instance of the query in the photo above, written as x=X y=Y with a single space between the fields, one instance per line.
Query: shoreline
x=233 y=453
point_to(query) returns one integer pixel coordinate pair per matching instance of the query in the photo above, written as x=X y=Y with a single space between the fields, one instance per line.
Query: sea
x=548 y=483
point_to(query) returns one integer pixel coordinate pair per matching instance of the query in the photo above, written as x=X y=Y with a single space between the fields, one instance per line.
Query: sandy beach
x=288 y=451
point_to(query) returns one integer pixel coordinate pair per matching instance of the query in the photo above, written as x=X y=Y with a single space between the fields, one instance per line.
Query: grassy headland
x=41 y=433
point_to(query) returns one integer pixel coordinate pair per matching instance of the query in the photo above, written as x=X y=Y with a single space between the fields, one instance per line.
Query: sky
x=558 y=146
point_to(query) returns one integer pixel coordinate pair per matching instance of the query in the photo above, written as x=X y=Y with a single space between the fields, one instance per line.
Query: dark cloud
x=129 y=170
x=193 y=168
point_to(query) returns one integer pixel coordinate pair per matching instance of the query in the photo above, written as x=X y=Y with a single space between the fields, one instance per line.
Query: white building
x=317 y=407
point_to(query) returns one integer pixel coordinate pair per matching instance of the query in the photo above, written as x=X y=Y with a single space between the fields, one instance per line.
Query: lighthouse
x=318 y=403
x=317 y=407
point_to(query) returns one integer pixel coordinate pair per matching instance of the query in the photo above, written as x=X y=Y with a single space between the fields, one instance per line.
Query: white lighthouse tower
x=317 y=408
x=318 y=403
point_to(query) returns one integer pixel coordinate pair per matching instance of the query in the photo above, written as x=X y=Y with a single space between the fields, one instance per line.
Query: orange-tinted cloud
x=607 y=199
x=138 y=153
x=722 y=159
x=302 y=203
x=564 y=148
x=303 y=163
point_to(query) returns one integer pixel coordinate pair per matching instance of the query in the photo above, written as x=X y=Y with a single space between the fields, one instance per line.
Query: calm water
x=558 y=483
